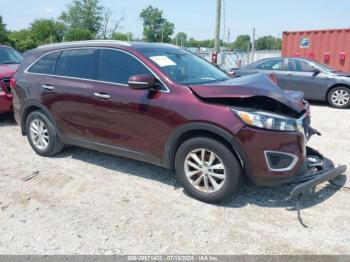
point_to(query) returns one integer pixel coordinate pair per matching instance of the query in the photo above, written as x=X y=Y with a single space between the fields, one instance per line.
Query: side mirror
x=141 y=81
x=231 y=73
x=316 y=71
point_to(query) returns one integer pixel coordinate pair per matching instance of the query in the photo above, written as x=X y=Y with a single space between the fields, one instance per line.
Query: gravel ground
x=85 y=202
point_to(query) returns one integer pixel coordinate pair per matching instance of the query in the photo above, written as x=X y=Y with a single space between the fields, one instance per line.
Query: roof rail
x=86 y=42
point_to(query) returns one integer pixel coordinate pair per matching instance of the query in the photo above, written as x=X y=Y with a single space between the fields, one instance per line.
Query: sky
x=197 y=17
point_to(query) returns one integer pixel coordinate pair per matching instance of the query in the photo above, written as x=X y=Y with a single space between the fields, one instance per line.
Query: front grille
x=6 y=85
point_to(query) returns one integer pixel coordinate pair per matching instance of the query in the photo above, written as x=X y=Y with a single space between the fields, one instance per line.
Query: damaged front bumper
x=316 y=170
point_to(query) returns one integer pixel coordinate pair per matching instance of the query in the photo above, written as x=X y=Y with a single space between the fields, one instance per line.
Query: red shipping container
x=316 y=43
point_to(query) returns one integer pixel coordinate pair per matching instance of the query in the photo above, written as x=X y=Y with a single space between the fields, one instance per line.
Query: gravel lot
x=85 y=202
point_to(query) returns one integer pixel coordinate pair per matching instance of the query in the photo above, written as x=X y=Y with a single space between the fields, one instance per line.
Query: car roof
x=116 y=43
x=285 y=57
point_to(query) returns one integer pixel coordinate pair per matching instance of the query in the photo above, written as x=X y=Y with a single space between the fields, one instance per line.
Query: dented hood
x=250 y=86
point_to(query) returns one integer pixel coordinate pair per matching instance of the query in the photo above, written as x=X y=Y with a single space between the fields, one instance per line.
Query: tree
x=78 y=34
x=47 y=31
x=122 y=36
x=83 y=15
x=22 y=40
x=268 y=43
x=3 y=32
x=180 y=39
x=109 y=26
x=242 y=43
x=208 y=43
x=156 y=28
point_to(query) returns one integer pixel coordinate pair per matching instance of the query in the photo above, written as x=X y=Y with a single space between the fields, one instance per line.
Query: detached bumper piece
x=316 y=170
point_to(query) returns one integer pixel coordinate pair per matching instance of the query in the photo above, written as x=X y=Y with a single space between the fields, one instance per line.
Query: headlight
x=267 y=120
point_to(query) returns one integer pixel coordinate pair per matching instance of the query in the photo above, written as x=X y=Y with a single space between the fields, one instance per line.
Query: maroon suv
x=160 y=104
x=9 y=61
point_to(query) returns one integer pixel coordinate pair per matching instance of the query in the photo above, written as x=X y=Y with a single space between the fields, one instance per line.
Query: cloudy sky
x=197 y=17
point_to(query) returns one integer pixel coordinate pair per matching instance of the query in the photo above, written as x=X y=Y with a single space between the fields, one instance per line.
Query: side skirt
x=113 y=150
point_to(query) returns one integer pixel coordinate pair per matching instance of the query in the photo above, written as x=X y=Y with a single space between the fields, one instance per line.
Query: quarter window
x=82 y=63
x=45 y=65
x=273 y=64
x=117 y=67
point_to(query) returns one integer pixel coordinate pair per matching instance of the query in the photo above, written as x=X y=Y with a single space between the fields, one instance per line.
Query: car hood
x=250 y=86
x=340 y=73
x=8 y=70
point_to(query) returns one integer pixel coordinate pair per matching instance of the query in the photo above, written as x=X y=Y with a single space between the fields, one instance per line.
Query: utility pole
x=228 y=35
x=253 y=45
x=217 y=26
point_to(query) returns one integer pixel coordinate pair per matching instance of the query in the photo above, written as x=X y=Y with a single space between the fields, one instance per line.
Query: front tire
x=207 y=169
x=42 y=134
x=339 y=97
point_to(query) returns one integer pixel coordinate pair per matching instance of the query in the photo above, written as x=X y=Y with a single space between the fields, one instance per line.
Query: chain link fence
x=228 y=60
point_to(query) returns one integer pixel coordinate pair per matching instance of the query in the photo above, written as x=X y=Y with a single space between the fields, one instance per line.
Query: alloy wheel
x=340 y=97
x=205 y=170
x=39 y=134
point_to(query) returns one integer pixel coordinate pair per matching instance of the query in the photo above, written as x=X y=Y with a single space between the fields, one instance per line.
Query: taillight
x=13 y=82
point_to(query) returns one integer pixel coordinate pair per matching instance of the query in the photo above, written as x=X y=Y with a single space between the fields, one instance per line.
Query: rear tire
x=339 y=97
x=42 y=134
x=211 y=176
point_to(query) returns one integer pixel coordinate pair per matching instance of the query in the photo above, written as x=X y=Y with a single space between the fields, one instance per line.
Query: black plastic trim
x=170 y=148
x=113 y=150
x=323 y=176
x=33 y=103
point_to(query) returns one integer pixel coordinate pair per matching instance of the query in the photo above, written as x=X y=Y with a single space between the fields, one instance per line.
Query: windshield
x=184 y=67
x=9 y=55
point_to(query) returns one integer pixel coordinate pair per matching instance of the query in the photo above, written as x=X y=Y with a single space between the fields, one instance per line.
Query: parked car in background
x=9 y=61
x=317 y=81
x=163 y=105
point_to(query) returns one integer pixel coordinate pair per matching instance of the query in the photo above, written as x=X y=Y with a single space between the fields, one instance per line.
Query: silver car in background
x=317 y=81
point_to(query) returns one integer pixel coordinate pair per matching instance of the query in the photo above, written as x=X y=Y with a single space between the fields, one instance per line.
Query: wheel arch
x=335 y=86
x=188 y=131
x=30 y=107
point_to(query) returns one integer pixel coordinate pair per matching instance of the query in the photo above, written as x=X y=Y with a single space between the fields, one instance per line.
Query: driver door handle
x=102 y=95
x=48 y=87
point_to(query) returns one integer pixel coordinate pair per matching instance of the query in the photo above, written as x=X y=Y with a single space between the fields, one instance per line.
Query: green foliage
x=47 y=31
x=122 y=36
x=83 y=15
x=78 y=34
x=156 y=28
x=241 y=43
x=209 y=43
x=180 y=39
x=3 y=32
x=268 y=43
x=22 y=40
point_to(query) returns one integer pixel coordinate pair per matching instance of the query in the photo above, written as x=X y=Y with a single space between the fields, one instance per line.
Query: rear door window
x=79 y=63
x=299 y=66
x=45 y=65
x=273 y=64
x=117 y=66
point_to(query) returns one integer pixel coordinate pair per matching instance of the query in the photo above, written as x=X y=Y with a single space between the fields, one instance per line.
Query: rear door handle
x=48 y=87
x=103 y=96
x=290 y=75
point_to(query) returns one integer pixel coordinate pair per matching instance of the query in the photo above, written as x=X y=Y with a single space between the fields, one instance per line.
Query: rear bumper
x=5 y=102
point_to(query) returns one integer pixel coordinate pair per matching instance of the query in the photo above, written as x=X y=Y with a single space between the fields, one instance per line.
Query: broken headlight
x=267 y=120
